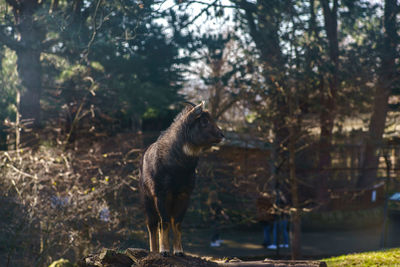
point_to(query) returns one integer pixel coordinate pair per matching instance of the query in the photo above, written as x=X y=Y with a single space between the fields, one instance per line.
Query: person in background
x=265 y=215
x=281 y=220
x=216 y=211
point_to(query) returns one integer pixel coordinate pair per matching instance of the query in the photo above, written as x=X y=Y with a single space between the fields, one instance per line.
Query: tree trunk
x=28 y=49
x=266 y=37
x=3 y=138
x=264 y=24
x=295 y=215
x=328 y=100
x=324 y=156
x=30 y=73
x=296 y=235
x=384 y=86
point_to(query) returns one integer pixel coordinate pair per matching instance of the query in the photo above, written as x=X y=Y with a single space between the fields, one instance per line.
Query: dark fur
x=167 y=174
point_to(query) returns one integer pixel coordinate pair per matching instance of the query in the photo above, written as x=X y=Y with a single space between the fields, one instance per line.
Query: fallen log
x=275 y=263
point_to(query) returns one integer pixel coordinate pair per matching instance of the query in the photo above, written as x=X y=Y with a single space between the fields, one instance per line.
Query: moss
x=390 y=257
x=61 y=263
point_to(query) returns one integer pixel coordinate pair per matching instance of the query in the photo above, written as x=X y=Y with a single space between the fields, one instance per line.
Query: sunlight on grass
x=389 y=257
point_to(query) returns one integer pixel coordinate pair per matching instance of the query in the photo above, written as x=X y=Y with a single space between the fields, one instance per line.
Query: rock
x=136 y=254
x=106 y=258
x=156 y=260
x=141 y=258
x=235 y=259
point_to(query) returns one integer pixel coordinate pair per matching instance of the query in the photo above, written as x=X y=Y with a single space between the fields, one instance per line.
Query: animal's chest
x=173 y=176
x=180 y=179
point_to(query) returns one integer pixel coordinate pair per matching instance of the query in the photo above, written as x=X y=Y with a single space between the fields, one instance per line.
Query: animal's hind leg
x=180 y=206
x=152 y=225
x=164 y=225
x=153 y=236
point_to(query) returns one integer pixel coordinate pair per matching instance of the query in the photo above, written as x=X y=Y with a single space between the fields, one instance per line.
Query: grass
x=390 y=257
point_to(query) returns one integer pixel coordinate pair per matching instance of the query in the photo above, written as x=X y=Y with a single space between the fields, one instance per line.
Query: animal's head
x=202 y=131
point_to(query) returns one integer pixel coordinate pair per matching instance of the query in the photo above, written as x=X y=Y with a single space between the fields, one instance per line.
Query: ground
x=388 y=258
x=140 y=257
x=143 y=258
x=246 y=244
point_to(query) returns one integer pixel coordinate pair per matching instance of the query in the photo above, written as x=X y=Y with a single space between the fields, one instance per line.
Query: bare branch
x=199 y=14
x=21 y=172
x=226 y=106
x=205 y=3
x=95 y=29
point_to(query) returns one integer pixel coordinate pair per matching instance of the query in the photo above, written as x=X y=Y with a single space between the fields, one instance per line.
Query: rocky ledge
x=132 y=257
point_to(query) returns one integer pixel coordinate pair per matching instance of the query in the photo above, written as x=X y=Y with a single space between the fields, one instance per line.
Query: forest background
x=311 y=86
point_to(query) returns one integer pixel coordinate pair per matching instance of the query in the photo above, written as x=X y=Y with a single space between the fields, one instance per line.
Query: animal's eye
x=204 y=121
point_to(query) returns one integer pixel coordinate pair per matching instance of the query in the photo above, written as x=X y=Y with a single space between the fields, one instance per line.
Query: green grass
x=390 y=257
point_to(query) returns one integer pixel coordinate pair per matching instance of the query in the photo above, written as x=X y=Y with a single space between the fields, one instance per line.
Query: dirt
x=141 y=258
x=154 y=259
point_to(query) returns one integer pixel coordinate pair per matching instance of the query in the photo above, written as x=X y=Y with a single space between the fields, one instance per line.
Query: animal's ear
x=188 y=107
x=196 y=111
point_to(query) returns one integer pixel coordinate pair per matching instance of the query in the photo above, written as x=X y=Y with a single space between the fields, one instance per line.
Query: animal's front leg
x=163 y=237
x=176 y=229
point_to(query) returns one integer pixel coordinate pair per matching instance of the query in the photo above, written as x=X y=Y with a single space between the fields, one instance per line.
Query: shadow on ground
x=246 y=243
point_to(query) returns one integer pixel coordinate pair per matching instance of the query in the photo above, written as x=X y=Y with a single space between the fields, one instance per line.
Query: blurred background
x=307 y=93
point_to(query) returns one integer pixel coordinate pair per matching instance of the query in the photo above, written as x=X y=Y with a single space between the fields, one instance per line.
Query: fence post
x=385 y=207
